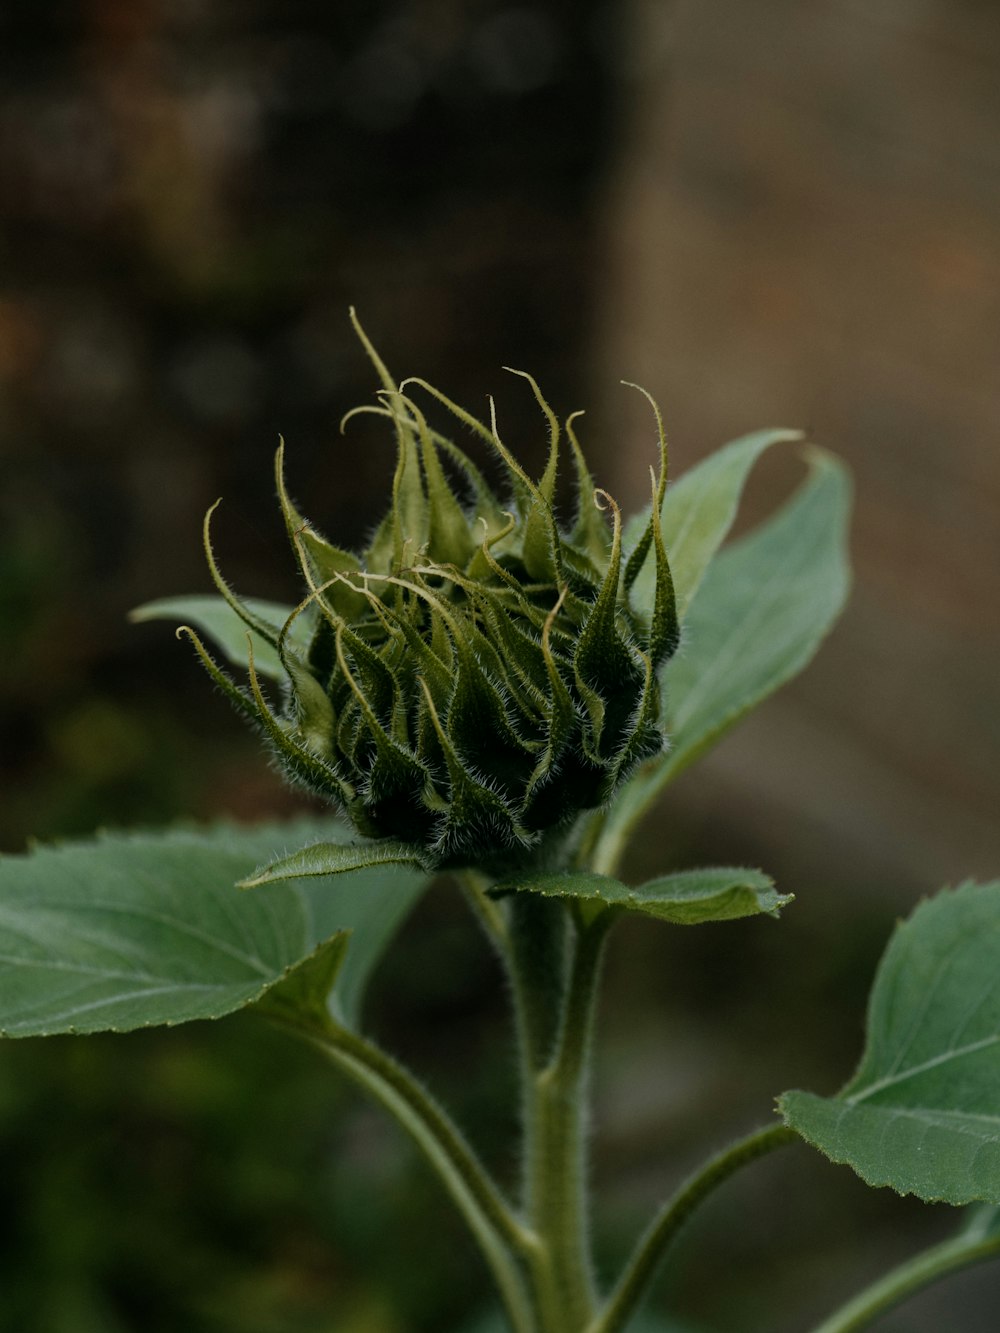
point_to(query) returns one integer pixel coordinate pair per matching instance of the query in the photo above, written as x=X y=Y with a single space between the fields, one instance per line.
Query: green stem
x=503 y=1241
x=590 y=840
x=538 y=959
x=612 y=835
x=607 y=852
x=641 y=1268
x=485 y=910
x=556 y=1177
x=909 y=1277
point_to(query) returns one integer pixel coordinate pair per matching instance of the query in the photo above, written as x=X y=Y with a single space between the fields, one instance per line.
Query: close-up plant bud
x=438 y=835
x=481 y=674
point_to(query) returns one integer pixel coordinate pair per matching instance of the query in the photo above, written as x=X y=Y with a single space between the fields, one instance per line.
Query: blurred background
x=772 y=213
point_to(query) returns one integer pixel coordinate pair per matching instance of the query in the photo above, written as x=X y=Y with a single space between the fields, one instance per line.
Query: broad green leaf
x=698 y=511
x=303 y=993
x=763 y=609
x=215 y=618
x=133 y=930
x=331 y=858
x=685 y=898
x=922 y=1114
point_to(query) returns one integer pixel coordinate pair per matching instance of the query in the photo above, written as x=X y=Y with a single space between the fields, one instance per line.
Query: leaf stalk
x=909 y=1277
x=641 y=1268
x=502 y=1239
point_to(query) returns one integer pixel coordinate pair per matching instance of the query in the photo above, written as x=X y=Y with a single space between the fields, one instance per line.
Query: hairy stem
x=555 y=1149
x=641 y=1268
x=538 y=960
x=908 y=1278
x=502 y=1239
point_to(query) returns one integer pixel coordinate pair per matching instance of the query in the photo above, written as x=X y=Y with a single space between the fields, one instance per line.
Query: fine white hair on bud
x=479 y=676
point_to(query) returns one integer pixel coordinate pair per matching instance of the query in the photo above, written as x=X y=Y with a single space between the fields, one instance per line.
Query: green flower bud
x=479 y=676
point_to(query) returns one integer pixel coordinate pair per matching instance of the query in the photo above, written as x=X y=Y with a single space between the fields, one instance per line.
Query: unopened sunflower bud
x=478 y=677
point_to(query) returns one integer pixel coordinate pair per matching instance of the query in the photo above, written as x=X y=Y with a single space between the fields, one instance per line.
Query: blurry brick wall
x=804 y=229
x=191 y=196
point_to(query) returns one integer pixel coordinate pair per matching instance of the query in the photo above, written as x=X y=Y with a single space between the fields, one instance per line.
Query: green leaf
x=215 y=618
x=685 y=898
x=133 y=930
x=303 y=993
x=697 y=513
x=763 y=609
x=331 y=858
x=922 y=1114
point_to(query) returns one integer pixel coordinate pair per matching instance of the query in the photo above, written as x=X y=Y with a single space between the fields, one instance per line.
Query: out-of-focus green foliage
x=141 y=1192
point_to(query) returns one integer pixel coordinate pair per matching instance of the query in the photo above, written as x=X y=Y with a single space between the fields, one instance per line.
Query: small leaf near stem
x=640 y=1270
x=685 y=898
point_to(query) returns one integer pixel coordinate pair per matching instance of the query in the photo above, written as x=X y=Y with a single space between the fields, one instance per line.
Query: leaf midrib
x=926 y=1114
x=732 y=647
x=182 y=928
x=893 y=1080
